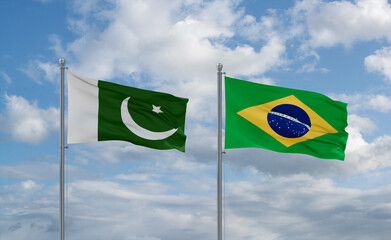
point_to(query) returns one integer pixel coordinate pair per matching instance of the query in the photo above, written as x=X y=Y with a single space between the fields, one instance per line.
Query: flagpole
x=219 y=154
x=62 y=217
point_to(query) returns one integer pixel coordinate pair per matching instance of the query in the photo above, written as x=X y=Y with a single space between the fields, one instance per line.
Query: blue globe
x=289 y=121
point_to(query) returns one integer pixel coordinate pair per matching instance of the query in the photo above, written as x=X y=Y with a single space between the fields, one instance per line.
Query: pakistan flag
x=284 y=120
x=102 y=111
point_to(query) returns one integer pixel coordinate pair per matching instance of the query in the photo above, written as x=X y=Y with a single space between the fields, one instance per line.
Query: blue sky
x=116 y=190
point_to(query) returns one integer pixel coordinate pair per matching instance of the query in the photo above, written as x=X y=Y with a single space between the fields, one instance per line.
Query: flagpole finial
x=62 y=61
x=219 y=67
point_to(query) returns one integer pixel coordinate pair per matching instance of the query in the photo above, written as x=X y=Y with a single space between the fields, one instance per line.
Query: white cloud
x=311 y=67
x=5 y=76
x=301 y=207
x=344 y=22
x=361 y=124
x=380 y=61
x=381 y=103
x=319 y=23
x=26 y=122
x=363 y=156
x=24 y=188
x=116 y=152
x=255 y=30
x=38 y=71
x=135 y=176
x=295 y=207
x=34 y=171
x=363 y=102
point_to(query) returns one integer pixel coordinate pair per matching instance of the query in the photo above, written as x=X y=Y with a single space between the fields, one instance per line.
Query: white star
x=156 y=109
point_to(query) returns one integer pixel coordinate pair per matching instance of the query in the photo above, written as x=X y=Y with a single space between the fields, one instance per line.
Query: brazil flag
x=284 y=120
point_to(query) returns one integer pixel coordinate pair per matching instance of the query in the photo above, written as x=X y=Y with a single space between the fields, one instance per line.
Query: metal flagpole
x=219 y=154
x=62 y=217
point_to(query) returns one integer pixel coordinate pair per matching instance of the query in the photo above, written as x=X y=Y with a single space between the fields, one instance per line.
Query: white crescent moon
x=137 y=129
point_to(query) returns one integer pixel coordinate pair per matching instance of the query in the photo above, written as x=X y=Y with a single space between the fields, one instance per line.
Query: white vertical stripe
x=83 y=104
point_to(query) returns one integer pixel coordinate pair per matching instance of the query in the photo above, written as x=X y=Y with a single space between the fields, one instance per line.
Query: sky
x=116 y=190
